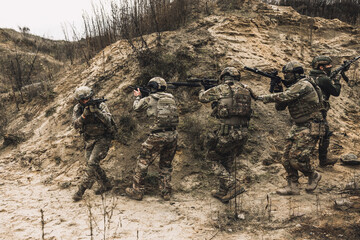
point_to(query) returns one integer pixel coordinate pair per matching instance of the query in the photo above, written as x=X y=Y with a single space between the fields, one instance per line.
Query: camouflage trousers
x=300 y=144
x=161 y=144
x=324 y=143
x=95 y=151
x=222 y=150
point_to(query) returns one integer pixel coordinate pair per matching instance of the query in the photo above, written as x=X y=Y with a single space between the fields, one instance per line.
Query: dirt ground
x=39 y=175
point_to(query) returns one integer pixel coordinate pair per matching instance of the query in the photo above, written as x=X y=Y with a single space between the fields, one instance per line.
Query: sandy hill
x=40 y=173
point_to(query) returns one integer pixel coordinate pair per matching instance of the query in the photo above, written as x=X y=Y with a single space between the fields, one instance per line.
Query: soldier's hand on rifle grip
x=278 y=88
x=337 y=79
x=346 y=68
x=137 y=93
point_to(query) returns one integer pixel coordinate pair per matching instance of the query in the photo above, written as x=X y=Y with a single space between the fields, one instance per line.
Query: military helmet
x=157 y=83
x=232 y=72
x=293 y=71
x=83 y=92
x=293 y=67
x=320 y=60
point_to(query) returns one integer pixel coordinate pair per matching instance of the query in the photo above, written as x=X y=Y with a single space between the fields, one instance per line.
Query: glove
x=337 y=79
x=347 y=68
x=86 y=112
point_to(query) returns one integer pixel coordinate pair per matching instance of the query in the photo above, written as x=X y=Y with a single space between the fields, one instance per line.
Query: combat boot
x=313 y=181
x=219 y=194
x=235 y=190
x=328 y=162
x=103 y=188
x=291 y=189
x=78 y=195
x=134 y=194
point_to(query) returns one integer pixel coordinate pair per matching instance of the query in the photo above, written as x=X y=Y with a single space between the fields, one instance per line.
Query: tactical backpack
x=167 y=113
x=238 y=104
x=241 y=102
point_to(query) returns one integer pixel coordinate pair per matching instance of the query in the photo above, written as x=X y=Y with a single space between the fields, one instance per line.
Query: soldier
x=94 y=123
x=320 y=73
x=233 y=110
x=303 y=99
x=162 y=141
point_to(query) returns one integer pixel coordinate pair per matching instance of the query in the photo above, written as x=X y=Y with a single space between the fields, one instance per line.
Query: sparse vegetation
x=158 y=62
x=129 y=20
x=345 y=10
x=42 y=166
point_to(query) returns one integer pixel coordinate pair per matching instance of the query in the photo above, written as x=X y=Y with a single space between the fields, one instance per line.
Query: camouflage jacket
x=95 y=124
x=234 y=102
x=327 y=86
x=303 y=99
x=150 y=104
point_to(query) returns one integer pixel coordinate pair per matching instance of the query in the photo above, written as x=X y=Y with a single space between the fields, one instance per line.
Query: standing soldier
x=163 y=114
x=303 y=99
x=95 y=123
x=320 y=73
x=233 y=110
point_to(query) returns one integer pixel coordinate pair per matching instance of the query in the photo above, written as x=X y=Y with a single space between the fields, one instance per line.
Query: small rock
x=343 y=204
x=352 y=186
x=349 y=159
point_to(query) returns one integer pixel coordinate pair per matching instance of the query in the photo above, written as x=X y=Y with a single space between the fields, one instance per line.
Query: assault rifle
x=144 y=91
x=275 y=84
x=196 y=82
x=95 y=102
x=345 y=65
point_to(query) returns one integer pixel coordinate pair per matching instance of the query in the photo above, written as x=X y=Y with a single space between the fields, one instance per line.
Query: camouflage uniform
x=303 y=99
x=95 y=130
x=162 y=141
x=233 y=110
x=328 y=87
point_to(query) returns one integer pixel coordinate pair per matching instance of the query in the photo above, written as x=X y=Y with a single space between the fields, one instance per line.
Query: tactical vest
x=236 y=104
x=166 y=113
x=317 y=75
x=93 y=126
x=309 y=106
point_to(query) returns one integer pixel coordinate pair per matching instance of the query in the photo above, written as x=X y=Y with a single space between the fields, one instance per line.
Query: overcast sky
x=45 y=18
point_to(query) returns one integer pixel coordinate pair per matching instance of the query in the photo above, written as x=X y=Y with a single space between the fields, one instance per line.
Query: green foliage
x=160 y=63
